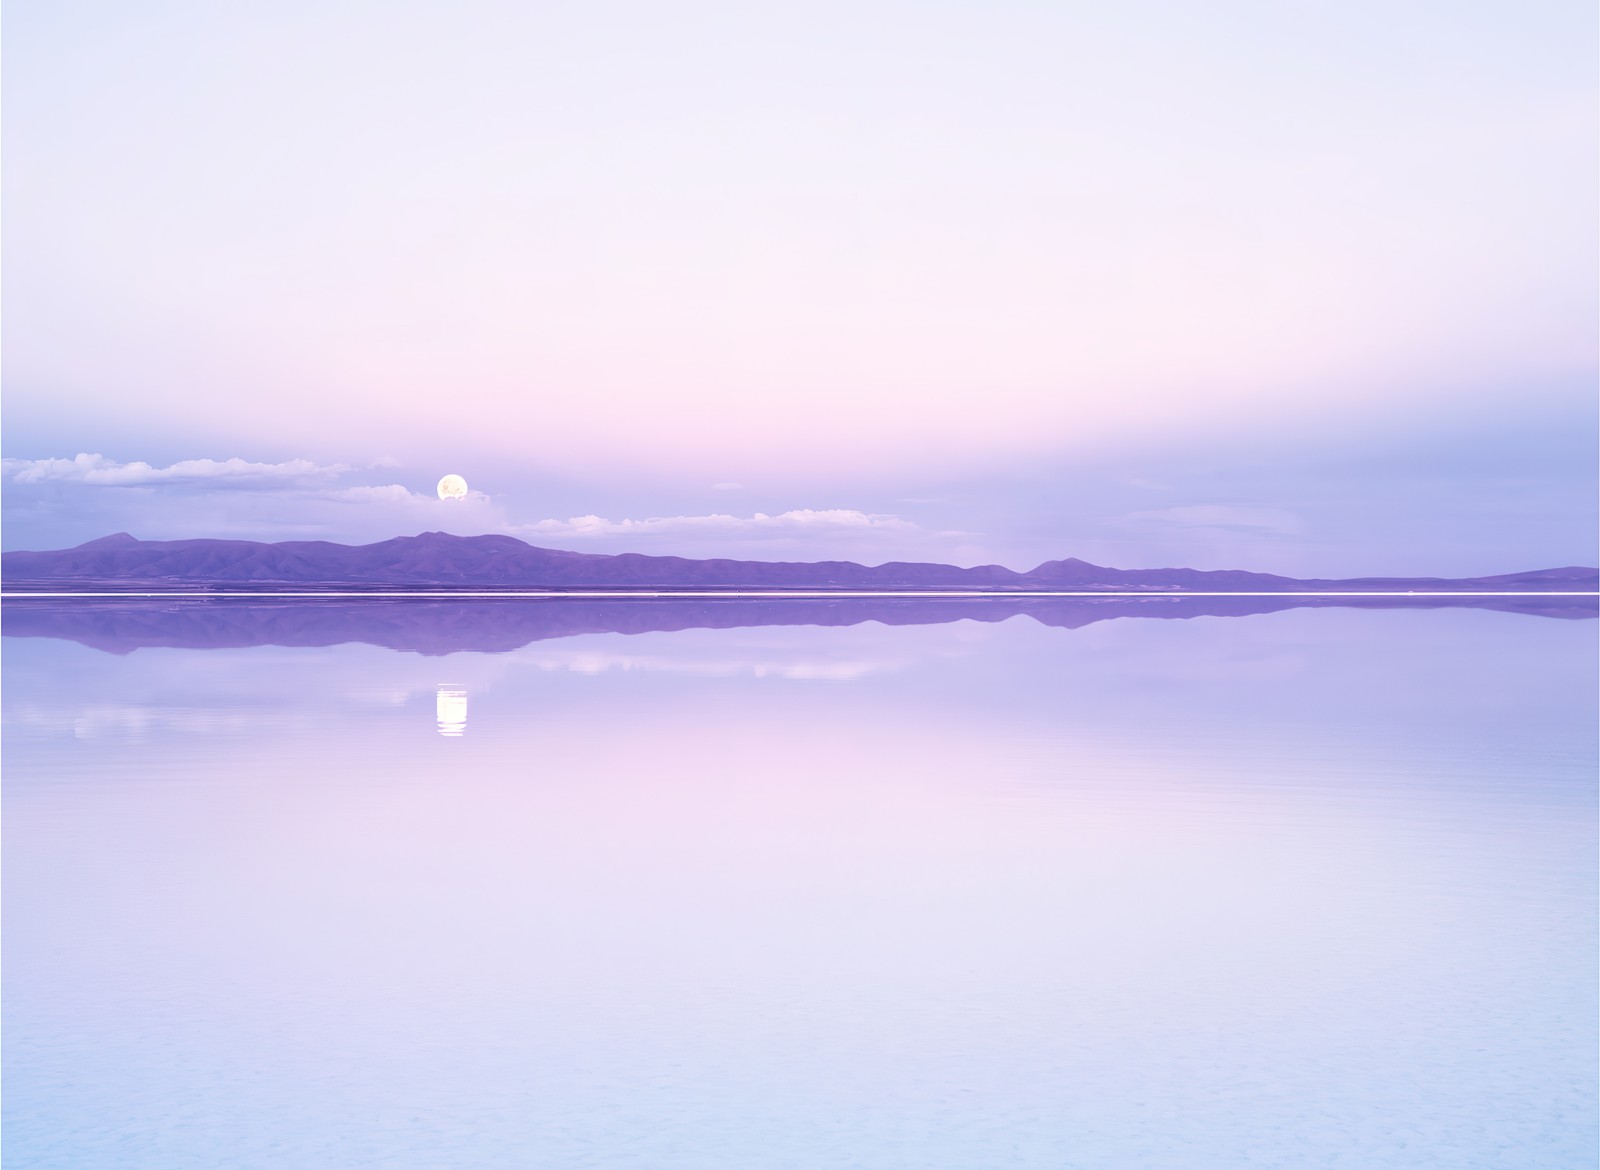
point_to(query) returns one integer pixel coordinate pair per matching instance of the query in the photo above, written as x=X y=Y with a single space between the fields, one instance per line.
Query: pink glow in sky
x=1020 y=276
x=658 y=235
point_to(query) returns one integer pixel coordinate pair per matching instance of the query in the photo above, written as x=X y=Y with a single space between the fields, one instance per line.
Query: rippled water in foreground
x=1304 y=889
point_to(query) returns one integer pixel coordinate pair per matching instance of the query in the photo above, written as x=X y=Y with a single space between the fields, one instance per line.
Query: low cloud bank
x=98 y=470
x=54 y=503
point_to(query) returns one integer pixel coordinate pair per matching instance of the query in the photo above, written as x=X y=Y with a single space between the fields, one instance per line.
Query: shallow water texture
x=1312 y=888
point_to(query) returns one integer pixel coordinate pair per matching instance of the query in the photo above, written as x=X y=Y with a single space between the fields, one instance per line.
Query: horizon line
x=552 y=595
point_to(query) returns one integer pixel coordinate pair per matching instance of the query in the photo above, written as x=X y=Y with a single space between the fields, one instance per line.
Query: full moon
x=452 y=487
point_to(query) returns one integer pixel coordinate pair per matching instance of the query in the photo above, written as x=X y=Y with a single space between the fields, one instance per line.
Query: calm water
x=1304 y=889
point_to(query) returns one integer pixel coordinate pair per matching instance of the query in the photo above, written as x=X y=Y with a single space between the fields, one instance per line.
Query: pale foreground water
x=1304 y=889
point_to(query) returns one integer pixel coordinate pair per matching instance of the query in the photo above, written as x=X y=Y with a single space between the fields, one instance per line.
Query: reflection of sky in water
x=1306 y=889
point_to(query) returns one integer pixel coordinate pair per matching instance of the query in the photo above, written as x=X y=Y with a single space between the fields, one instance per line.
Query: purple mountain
x=436 y=560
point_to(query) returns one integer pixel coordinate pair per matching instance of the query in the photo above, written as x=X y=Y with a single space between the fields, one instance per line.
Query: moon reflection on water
x=451 y=709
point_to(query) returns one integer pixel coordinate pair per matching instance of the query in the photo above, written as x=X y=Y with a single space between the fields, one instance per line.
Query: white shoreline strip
x=667 y=595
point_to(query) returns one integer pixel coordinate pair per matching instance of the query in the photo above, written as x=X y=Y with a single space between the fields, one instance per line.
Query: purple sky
x=1302 y=289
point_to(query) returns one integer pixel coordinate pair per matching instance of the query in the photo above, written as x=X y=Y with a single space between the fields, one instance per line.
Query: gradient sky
x=1302 y=288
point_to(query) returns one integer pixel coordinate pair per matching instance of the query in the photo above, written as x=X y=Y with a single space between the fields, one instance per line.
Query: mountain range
x=437 y=560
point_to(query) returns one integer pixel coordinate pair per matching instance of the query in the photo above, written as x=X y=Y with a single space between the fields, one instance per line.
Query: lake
x=727 y=886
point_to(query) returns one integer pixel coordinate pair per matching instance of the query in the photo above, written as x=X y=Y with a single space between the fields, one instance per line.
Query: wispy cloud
x=385 y=493
x=395 y=493
x=1273 y=521
x=97 y=470
x=800 y=520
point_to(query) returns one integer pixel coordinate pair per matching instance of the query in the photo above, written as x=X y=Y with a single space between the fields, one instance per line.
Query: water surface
x=1309 y=888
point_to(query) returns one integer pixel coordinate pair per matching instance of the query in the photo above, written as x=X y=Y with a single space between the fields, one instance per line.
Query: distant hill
x=437 y=560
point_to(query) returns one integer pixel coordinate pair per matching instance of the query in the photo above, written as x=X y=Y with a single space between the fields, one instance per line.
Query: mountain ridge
x=438 y=560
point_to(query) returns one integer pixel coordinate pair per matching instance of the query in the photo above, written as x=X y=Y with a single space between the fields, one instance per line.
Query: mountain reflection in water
x=120 y=625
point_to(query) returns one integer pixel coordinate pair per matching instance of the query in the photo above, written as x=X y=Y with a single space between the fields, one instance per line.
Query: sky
x=1299 y=288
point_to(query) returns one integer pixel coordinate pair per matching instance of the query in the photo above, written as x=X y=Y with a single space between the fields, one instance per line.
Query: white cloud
x=1275 y=521
x=97 y=469
x=801 y=520
x=387 y=493
x=727 y=487
x=396 y=493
